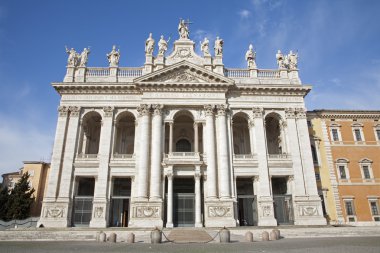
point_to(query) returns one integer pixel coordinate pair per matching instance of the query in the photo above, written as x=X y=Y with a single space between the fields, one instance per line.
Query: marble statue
x=73 y=59
x=292 y=60
x=149 y=45
x=281 y=60
x=113 y=57
x=205 y=47
x=183 y=29
x=84 y=57
x=218 y=47
x=162 y=45
x=250 y=57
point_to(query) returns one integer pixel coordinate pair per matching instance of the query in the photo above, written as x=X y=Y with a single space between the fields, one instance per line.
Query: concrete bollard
x=112 y=237
x=249 y=236
x=224 y=235
x=102 y=237
x=155 y=236
x=265 y=236
x=273 y=235
x=277 y=233
x=130 y=238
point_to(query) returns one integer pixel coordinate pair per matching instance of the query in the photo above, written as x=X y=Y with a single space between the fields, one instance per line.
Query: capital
x=197 y=175
x=209 y=109
x=108 y=111
x=258 y=112
x=74 y=111
x=169 y=175
x=300 y=113
x=221 y=109
x=143 y=109
x=63 y=110
x=290 y=113
x=157 y=109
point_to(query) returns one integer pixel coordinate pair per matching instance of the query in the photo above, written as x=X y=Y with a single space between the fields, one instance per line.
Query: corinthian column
x=155 y=173
x=142 y=173
x=210 y=152
x=223 y=154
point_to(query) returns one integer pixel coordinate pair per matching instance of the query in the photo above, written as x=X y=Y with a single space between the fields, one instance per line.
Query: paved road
x=315 y=245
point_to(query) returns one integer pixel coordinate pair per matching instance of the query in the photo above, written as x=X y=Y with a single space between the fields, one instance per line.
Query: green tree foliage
x=17 y=204
x=4 y=199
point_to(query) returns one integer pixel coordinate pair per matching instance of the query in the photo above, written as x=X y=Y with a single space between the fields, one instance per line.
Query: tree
x=4 y=200
x=20 y=199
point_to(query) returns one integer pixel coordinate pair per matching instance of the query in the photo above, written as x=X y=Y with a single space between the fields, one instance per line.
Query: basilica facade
x=181 y=141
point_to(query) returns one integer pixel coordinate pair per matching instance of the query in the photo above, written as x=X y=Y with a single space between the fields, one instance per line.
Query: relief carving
x=54 y=212
x=98 y=212
x=219 y=211
x=267 y=210
x=143 y=109
x=63 y=110
x=308 y=211
x=257 y=112
x=108 y=111
x=147 y=212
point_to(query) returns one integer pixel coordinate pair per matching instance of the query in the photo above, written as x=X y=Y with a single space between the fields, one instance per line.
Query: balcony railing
x=278 y=156
x=98 y=72
x=129 y=72
x=87 y=156
x=237 y=73
x=268 y=73
x=123 y=156
x=244 y=156
x=121 y=72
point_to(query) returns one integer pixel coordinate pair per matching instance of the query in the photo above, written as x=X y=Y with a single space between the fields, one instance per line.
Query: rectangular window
x=378 y=134
x=358 y=135
x=366 y=173
x=335 y=134
x=317 y=177
x=350 y=210
x=309 y=123
x=342 y=172
x=374 y=207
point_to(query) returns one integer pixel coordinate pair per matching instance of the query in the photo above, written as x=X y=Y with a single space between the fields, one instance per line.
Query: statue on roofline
x=149 y=45
x=205 y=47
x=218 y=47
x=183 y=29
x=250 y=57
x=73 y=59
x=84 y=57
x=162 y=45
x=113 y=57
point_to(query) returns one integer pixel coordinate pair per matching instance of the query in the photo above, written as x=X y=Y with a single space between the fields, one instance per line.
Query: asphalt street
x=314 y=245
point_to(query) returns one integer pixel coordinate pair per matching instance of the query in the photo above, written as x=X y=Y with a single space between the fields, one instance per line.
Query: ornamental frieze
x=147 y=212
x=219 y=211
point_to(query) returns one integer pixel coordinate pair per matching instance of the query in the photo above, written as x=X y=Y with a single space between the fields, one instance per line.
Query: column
x=68 y=160
x=263 y=186
x=156 y=145
x=222 y=154
x=299 y=183
x=170 y=137
x=100 y=203
x=142 y=173
x=136 y=142
x=251 y=130
x=59 y=140
x=210 y=152
x=196 y=139
x=197 y=177
x=169 y=209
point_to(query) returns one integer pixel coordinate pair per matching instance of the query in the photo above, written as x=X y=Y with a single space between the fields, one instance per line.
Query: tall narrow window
x=350 y=209
x=335 y=134
x=358 y=136
x=366 y=173
x=342 y=172
x=378 y=134
x=374 y=207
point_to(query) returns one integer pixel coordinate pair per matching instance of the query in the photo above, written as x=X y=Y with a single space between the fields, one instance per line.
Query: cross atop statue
x=183 y=28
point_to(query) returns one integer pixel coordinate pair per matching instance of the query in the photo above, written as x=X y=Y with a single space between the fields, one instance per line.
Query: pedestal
x=219 y=213
x=146 y=214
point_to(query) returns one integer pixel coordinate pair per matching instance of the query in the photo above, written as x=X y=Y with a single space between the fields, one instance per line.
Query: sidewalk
x=143 y=235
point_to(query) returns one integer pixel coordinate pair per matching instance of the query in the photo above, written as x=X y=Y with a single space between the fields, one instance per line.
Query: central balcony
x=182 y=158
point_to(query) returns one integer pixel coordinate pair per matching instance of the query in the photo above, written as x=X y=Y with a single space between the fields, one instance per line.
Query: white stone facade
x=233 y=143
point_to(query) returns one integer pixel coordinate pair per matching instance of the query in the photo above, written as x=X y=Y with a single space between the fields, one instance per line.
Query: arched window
x=273 y=134
x=241 y=134
x=183 y=145
x=125 y=134
x=90 y=136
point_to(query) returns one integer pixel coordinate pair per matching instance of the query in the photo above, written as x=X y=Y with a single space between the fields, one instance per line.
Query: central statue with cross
x=183 y=29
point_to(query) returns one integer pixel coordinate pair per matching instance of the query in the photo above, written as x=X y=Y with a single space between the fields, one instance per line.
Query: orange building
x=346 y=150
x=38 y=175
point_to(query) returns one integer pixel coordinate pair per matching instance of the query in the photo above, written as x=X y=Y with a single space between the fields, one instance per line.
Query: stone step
x=189 y=235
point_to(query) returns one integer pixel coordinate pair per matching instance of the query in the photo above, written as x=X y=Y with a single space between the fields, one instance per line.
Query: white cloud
x=20 y=141
x=244 y=14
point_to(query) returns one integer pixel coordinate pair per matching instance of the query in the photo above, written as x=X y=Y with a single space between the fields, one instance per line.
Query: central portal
x=184 y=202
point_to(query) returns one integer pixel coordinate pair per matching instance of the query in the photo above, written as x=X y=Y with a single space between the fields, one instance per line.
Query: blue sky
x=337 y=42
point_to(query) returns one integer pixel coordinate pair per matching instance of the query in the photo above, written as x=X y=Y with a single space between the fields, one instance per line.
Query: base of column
x=198 y=225
x=266 y=212
x=219 y=213
x=146 y=214
x=308 y=211
x=99 y=214
x=55 y=214
x=169 y=225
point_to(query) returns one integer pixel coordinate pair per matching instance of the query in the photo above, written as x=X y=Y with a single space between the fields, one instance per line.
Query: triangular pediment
x=183 y=72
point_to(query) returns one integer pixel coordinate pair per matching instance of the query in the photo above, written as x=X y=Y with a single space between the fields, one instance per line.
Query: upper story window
x=335 y=134
x=350 y=209
x=342 y=169
x=377 y=132
x=357 y=129
x=366 y=168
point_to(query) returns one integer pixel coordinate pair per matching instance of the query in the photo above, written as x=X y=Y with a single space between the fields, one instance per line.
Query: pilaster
x=100 y=203
x=210 y=152
x=80 y=74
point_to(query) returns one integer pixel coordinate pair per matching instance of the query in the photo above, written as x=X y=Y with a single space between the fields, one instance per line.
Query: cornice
x=294 y=90
x=345 y=114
